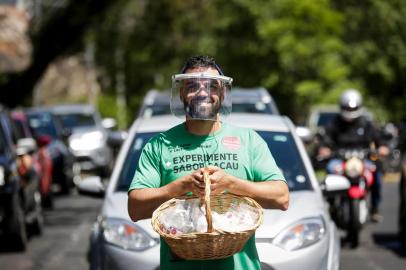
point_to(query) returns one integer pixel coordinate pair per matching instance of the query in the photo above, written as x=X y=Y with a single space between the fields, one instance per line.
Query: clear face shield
x=201 y=96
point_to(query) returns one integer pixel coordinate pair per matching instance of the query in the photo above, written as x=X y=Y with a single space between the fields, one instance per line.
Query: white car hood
x=303 y=204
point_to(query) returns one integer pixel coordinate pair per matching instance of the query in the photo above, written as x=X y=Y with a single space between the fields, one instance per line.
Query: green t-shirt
x=172 y=154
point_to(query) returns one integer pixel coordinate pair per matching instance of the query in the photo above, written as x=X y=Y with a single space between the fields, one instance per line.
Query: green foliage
x=304 y=51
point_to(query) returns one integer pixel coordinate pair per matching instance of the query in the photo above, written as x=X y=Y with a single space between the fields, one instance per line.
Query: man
x=352 y=129
x=172 y=163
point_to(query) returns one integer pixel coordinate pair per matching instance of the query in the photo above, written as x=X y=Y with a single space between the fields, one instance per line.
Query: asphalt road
x=64 y=242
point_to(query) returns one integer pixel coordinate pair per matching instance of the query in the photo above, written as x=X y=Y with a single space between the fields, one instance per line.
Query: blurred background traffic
x=75 y=75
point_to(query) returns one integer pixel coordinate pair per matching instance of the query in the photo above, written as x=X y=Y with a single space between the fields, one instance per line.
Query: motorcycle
x=350 y=209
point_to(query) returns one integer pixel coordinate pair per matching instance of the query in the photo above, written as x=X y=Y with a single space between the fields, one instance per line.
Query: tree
x=60 y=33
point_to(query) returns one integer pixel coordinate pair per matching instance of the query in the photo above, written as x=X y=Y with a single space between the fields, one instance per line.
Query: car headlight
x=301 y=234
x=354 y=167
x=127 y=235
x=88 y=141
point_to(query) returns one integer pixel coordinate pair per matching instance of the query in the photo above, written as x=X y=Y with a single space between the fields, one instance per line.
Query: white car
x=247 y=100
x=302 y=237
x=89 y=139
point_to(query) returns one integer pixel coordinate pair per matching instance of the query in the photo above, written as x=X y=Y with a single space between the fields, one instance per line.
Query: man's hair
x=201 y=61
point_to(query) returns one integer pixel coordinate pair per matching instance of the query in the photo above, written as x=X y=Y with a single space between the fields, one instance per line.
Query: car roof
x=250 y=95
x=62 y=108
x=239 y=95
x=259 y=122
x=72 y=108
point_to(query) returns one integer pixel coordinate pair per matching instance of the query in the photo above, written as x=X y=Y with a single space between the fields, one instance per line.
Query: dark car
x=43 y=122
x=20 y=200
x=402 y=184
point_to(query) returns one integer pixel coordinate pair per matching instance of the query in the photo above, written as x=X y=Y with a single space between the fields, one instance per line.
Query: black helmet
x=351 y=104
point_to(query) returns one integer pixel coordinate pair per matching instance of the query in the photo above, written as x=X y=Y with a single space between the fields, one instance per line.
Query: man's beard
x=197 y=108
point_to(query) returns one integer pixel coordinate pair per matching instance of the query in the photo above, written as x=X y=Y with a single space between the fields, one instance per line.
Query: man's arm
x=270 y=194
x=143 y=202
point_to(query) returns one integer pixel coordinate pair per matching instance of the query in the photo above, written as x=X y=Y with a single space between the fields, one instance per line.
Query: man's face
x=202 y=97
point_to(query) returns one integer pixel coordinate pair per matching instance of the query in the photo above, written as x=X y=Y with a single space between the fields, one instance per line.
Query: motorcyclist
x=352 y=128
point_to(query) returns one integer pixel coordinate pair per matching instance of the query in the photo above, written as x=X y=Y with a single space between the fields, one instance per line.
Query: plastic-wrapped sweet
x=189 y=216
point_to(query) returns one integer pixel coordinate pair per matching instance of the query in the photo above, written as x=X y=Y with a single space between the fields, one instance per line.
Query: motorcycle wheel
x=354 y=225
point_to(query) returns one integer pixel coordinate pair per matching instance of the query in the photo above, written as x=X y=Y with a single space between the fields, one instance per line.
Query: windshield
x=77 y=120
x=282 y=146
x=325 y=118
x=258 y=107
x=42 y=124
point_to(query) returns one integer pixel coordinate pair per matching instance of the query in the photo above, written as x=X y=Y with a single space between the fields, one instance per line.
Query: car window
x=325 y=118
x=19 y=129
x=258 y=107
x=157 y=109
x=282 y=146
x=42 y=124
x=77 y=120
x=287 y=157
x=131 y=161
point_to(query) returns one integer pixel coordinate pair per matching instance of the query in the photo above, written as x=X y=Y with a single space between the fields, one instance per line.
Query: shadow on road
x=391 y=242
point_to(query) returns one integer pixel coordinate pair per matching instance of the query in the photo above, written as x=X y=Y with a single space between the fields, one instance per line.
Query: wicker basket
x=213 y=244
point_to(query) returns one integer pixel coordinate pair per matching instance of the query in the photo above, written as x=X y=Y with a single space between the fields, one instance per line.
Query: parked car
x=320 y=116
x=20 y=200
x=303 y=235
x=249 y=100
x=253 y=100
x=64 y=169
x=41 y=155
x=89 y=139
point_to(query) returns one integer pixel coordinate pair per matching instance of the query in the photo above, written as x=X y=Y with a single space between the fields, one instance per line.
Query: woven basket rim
x=155 y=218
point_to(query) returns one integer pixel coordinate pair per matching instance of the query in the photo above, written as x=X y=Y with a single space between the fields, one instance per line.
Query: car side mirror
x=26 y=145
x=116 y=138
x=91 y=186
x=304 y=133
x=66 y=132
x=108 y=123
x=333 y=184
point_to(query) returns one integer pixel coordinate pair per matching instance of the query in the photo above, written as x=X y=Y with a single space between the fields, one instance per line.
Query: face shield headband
x=201 y=96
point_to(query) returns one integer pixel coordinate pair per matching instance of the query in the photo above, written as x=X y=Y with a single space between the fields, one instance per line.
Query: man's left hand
x=220 y=180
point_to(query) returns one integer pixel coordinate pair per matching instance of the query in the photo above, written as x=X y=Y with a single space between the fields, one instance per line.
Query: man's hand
x=220 y=180
x=383 y=150
x=324 y=152
x=194 y=182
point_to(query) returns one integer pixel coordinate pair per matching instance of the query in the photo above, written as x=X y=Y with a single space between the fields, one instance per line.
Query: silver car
x=89 y=139
x=303 y=236
x=249 y=100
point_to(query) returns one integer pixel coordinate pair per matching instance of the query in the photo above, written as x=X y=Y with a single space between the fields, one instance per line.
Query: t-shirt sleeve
x=147 y=173
x=264 y=167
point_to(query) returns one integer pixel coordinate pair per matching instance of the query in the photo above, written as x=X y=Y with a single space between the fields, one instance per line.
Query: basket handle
x=206 y=201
